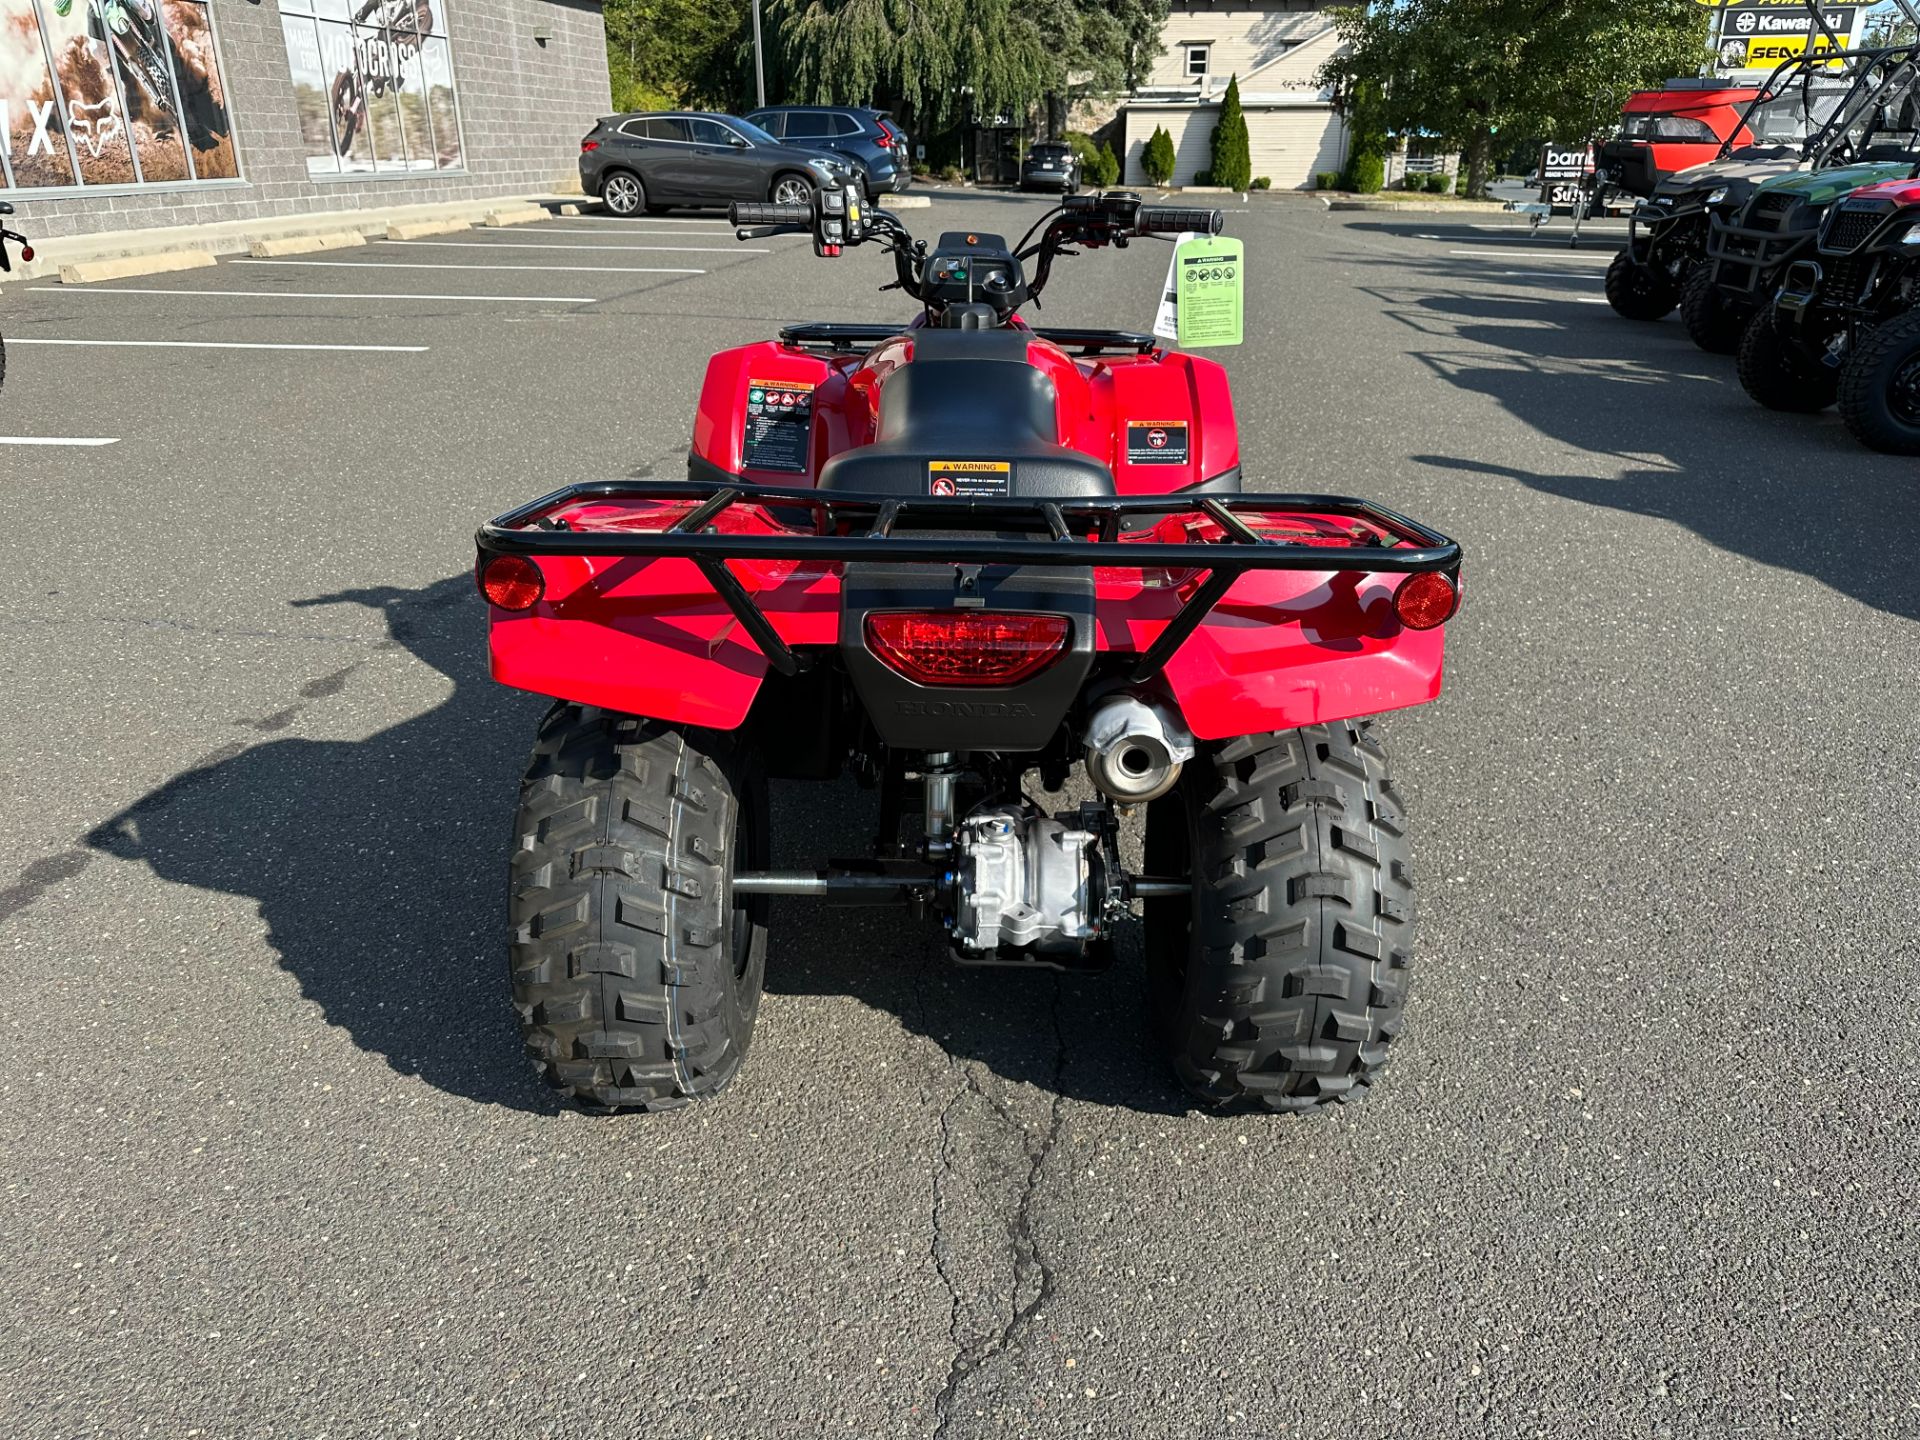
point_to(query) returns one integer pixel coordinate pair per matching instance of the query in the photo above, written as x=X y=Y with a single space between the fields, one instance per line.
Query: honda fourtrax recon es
x=958 y=557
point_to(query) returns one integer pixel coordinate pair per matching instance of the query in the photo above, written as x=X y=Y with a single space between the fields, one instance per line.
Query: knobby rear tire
x=1283 y=977
x=636 y=976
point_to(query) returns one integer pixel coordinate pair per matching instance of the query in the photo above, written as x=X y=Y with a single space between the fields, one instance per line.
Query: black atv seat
x=967 y=395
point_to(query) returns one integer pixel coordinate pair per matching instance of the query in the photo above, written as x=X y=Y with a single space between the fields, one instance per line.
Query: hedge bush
x=1262 y=182
x=1366 y=174
x=1460 y=183
x=1437 y=182
x=1232 y=153
x=1157 y=159
x=1109 y=172
x=1326 y=180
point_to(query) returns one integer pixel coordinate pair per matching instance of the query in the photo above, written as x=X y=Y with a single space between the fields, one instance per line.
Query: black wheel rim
x=1903 y=390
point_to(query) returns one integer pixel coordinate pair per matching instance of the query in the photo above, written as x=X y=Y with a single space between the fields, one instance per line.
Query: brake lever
x=761 y=232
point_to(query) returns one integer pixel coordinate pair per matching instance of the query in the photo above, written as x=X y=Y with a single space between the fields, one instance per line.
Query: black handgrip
x=752 y=214
x=1173 y=220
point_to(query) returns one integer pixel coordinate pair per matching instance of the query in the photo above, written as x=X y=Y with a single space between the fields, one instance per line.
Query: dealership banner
x=111 y=92
x=373 y=81
x=1759 y=34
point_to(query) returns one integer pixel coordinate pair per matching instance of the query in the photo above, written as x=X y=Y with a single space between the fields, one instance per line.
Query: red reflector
x=26 y=252
x=967 y=647
x=1426 y=600
x=588 y=146
x=512 y=582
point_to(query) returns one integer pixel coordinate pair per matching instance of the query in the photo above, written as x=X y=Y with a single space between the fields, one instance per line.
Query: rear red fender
x=1284 y=649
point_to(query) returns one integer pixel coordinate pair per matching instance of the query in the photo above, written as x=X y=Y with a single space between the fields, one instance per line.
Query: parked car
x=644 y=162
x=872 y=139
x=1050 y=165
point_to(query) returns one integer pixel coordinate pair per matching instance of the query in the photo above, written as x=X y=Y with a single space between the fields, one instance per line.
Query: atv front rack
x=842 y=338
x=1068 y=532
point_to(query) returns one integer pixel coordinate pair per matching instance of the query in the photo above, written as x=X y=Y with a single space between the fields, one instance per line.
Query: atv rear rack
x=1066 y=532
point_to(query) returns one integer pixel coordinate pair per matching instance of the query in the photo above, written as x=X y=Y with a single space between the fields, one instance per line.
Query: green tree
x=667 y=53
x=1463 y=71
x=941 y=57
x=1157 y=157
x=1232 y=155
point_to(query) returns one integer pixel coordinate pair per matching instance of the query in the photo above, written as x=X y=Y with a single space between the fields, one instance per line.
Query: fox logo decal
x=96 y=130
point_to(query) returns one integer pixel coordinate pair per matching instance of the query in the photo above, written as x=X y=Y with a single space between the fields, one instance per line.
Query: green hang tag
x=1209 y=291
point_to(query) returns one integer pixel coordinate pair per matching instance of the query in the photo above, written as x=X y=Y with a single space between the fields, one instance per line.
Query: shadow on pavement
x=379 y=866
x=1790 y=491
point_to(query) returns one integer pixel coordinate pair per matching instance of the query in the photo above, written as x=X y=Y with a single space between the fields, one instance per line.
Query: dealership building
x=126 y=114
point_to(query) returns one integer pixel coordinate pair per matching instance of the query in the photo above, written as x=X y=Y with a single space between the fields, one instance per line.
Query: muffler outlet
x=1135 y=748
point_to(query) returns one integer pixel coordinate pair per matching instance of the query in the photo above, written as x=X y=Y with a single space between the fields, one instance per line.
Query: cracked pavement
x=1642 y=1163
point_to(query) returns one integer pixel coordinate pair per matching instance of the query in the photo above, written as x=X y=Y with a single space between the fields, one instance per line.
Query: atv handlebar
x=759 y=214
x=1176 y=220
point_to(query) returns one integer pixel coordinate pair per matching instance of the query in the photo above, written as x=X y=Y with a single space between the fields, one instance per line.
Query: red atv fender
x=627 y=619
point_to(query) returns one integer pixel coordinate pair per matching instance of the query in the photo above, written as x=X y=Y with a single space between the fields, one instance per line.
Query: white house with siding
x=1275 y=47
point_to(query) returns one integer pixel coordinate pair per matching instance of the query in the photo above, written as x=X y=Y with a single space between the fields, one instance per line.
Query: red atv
x=1846 y=325
x=948 y=556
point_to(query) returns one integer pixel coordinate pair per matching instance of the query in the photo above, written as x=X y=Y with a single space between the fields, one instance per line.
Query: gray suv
x=641 y=162
x=870 y=138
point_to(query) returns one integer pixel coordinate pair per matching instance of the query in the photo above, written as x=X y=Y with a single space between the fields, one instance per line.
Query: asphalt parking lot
x=1643 y=1164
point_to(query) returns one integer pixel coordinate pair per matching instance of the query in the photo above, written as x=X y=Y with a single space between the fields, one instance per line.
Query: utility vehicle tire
x=636 y=974
x=623 y=194
x=1879 y=388
x=1712 y=324
x=1637 y=292
x=1778 y=375
x=1283 y=976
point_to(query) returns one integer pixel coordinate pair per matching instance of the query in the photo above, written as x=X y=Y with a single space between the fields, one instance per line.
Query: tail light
x=967 y=647
x=1426 y=600
x=512 y=582
x=887 y=135
x=587 y=147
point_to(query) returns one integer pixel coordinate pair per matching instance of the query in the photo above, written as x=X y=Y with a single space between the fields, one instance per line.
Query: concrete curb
x=905 y=202
x=1427 y=207
x=494 y=219
x=304 y=244
x=420 y=229
x=85 y=272
x=237 y=237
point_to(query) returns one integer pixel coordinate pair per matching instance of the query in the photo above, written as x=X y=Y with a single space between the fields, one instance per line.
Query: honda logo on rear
x=965 y=709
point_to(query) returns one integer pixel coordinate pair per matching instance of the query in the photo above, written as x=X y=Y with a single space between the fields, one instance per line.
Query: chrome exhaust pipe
x=1135 y=748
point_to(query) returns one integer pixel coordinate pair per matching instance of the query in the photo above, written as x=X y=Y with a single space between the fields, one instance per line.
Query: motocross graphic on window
x=111 y=92
x=374 y=81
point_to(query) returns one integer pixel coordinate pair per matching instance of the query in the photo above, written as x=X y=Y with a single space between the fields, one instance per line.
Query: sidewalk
x=230 y=237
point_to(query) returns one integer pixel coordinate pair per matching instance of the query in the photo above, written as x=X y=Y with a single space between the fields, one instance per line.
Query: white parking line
x=336 y=295
x=57 y=440
x=569 y=245
x=637 y=230
x=1542 y=274
x=1509 y=249
x=420 y=265
x=223 y=345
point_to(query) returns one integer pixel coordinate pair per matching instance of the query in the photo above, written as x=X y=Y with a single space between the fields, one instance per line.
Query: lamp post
x=759 y=65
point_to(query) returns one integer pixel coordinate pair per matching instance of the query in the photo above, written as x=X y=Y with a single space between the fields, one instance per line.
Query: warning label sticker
x=779 y=421
x=969 y=479
x=1156 y=442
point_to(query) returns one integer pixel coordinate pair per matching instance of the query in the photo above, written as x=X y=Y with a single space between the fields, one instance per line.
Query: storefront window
x=111 y=92
x=374 y=82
